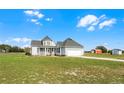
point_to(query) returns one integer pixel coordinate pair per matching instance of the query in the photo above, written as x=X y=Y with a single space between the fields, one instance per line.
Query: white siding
x=74 y=51
x=48 y=43
x=62 y=51
x=116 y=52
x=34 y=51
x=53 y=44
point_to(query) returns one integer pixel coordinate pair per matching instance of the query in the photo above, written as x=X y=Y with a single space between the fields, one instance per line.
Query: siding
x=34 y=51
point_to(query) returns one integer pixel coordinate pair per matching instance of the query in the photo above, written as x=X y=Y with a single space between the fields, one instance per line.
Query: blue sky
x=88 y=27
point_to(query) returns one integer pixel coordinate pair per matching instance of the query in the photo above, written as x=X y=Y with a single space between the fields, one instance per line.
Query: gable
x=46 y=39
x=68 y=43
x=71 y=43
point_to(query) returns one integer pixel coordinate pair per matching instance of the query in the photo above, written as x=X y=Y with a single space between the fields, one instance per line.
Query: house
x=93 y=51
x=116 y=52
x=97 y=51
x=47 y=46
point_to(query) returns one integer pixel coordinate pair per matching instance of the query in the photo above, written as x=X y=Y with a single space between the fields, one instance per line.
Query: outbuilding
x=116 y=52
x=97 y=51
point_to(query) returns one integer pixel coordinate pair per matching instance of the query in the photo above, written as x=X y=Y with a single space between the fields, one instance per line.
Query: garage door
x=73 y=52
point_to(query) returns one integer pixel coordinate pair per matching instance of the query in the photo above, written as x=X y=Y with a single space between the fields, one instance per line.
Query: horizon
x=89 y=27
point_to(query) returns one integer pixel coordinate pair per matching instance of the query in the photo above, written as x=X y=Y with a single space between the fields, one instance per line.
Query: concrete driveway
x=100 y=58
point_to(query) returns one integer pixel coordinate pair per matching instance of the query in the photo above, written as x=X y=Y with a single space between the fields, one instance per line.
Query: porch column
x=60 y=50
x=45 y=51
x=53 y=52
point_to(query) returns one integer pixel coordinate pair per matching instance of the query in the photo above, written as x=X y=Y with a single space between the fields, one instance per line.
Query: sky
x=89 y=27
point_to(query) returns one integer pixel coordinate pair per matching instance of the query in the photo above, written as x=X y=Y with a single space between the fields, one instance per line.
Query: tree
x=110 y=51
x=16 y=49
x=104 y=49
x=5 y=48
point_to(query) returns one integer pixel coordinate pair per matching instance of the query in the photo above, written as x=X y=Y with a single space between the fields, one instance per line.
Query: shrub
x=110 y=51
x=27 y=53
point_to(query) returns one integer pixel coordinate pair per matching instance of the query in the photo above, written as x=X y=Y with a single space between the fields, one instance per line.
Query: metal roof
x=117 y=49
x=36 y=43
x=69 y=43
x=46 y=38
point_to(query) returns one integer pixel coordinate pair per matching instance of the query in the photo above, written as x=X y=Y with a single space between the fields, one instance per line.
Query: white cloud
x=35 y=13
x=26 y=45
x=102 y=17
x=40 y=15
x=29 y=12
x=49 y=19
x=35 y=17
x=38 y=23
x=108 y=23
x=23 y=40
x=105 y=44
x=34 y=20
x=91 y=28
x=87 y=20
x=91 y=22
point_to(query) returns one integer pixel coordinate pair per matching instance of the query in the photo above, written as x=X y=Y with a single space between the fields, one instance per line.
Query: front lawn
x=105 y=55
x=21 y=69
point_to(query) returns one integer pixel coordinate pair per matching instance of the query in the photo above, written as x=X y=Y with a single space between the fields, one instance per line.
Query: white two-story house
x=48 y=47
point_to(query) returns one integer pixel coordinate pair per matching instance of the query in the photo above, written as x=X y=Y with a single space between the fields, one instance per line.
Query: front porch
x=48 y=51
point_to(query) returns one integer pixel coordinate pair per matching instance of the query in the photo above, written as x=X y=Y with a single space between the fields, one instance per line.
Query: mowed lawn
x=105 y=55
x=18 y=69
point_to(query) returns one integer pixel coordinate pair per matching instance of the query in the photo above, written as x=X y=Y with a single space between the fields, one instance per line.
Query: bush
x=110 y=51
x=123 y=52
x=27 y=53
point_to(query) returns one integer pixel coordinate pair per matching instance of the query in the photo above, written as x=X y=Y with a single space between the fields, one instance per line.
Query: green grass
x=19 y=69
x=105 y=55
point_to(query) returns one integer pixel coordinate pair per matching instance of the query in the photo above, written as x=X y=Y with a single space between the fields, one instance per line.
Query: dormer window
x=44 y=43
x=48 y=42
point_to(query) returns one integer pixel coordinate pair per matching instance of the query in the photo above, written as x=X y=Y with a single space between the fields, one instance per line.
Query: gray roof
x=46 y=38
x=35 y=43
x=69 y=43
x=39 y=43
x=59 y=43
x=117 y=49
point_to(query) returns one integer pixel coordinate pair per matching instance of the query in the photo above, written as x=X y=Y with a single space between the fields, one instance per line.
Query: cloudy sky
x=88 y=27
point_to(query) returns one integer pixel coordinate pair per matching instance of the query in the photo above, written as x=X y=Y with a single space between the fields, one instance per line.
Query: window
x=44 y=43
x=48 y=43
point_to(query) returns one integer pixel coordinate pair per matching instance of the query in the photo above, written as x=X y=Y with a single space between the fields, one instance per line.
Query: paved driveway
x=100 y=58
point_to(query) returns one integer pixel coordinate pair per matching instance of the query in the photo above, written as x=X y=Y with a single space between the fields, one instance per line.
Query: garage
x=73 y=51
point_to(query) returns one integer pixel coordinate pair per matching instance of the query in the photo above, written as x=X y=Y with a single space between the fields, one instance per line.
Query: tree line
x=4 y=48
